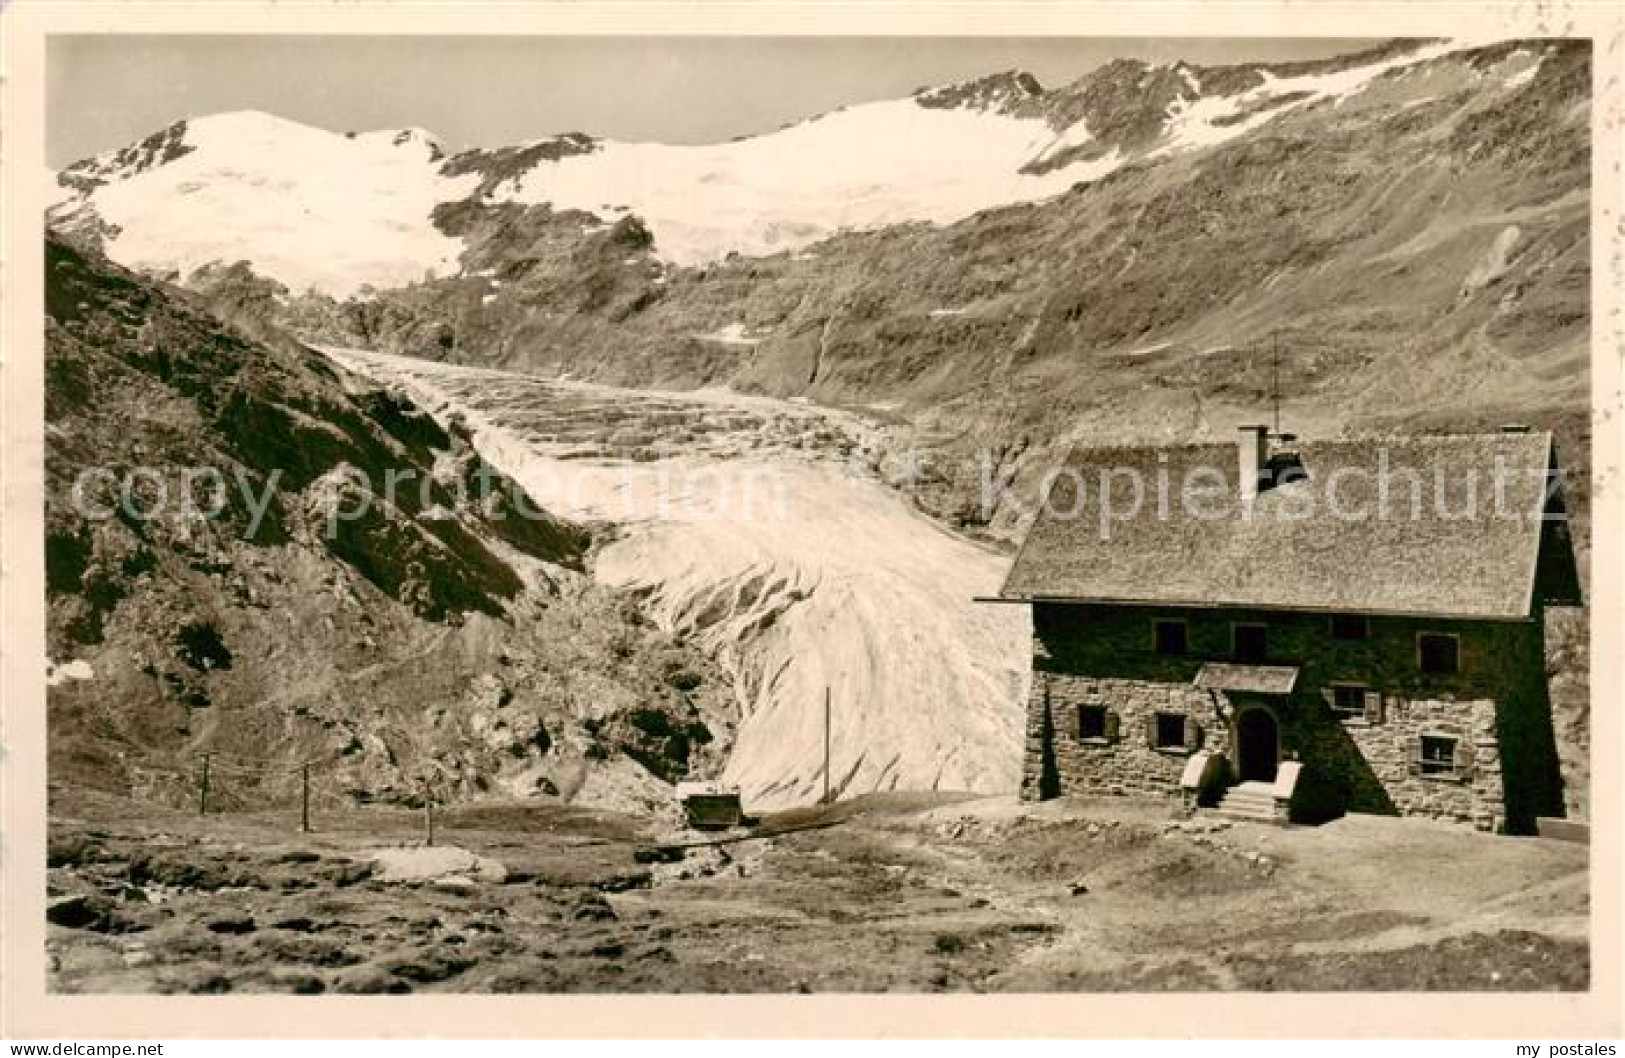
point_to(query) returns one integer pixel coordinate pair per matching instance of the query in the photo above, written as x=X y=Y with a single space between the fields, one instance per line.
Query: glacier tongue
x=797 y=569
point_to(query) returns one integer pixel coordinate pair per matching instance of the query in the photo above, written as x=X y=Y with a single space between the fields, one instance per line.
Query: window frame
x=1264 y=642
x=1178 y=745
x=1365 y=627
x=1455 y=640
x=1103 y=712
x=1359 y=713
x=1158 y=623
x=1452 y=770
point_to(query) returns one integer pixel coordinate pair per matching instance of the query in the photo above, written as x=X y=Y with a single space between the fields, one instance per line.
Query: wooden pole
x=304 y=797
x=428 y=813
x=203 y=787
x=826 y=745
x=1275 y=384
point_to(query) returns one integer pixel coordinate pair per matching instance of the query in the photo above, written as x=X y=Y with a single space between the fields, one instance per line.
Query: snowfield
x=317 y=210
x=863 y=167
x=798 y=569
x=312 y=209
x=1211 y=120
x=338 y=213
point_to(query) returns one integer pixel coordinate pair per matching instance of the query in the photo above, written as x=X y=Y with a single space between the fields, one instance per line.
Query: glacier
x=741 y=525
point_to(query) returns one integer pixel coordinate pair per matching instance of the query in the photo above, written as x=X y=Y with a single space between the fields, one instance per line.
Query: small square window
x=1247 y=642
x=1351 y=626
x=1170 y=638
x=1438 y=755
x=1092 y=721
x=1170 y=731
x=1348 y=701
x=1438 y=653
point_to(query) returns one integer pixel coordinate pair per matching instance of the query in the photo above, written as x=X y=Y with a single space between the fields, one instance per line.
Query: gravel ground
x=886 y=893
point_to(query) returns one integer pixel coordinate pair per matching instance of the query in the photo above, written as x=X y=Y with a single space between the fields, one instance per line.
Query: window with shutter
x=1114 y=724
x=1373 y=707
x=1193 y=734
x=1466 y=757
x=1348 y=700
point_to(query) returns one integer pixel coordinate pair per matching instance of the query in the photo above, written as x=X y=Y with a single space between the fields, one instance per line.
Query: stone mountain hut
x=1360 y=630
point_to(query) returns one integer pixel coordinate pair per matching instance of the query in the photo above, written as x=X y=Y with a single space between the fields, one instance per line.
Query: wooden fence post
x=826 y=745
x=203 y=787
x=304 y=797
x=428 y=812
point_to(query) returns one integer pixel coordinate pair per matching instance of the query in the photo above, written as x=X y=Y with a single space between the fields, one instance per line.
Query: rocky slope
x=445 y=635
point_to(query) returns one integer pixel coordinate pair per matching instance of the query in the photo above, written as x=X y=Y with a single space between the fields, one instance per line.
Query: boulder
x=79 y=911
x=432 y=863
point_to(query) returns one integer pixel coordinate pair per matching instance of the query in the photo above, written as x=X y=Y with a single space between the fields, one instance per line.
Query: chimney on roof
x=1254 y=459
x=1514 y=427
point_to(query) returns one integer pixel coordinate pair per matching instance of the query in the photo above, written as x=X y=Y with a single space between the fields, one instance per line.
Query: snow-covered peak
x=230 y=125
x=250 y=132
x=313 y=209
x=337 y=212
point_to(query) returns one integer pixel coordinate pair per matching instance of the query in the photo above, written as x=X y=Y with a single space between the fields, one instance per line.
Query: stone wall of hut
x=1495 y=709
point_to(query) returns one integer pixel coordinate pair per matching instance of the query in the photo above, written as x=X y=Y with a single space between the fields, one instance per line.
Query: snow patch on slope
x=1075 y=135
x=1493 y=264
x=1525 y=75
x=1211 y=120
x=732 y=334
x=77 y=669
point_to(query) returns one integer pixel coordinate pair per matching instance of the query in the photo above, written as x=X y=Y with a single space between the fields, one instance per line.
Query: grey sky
x=106 y=91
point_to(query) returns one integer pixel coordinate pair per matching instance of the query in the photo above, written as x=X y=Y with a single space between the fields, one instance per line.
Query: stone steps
x=1264 y=818
x=1234 y=805
x=1248 y=802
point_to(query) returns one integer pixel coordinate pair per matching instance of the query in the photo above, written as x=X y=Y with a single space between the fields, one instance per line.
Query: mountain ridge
x=939 y=156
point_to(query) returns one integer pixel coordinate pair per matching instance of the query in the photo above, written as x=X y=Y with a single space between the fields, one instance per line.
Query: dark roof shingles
x=1294 y=552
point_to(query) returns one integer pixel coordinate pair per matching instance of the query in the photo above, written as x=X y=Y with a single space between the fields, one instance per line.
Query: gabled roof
x=1338 y=541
